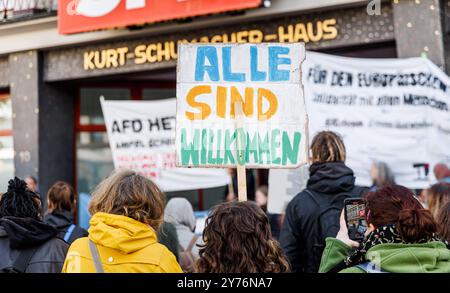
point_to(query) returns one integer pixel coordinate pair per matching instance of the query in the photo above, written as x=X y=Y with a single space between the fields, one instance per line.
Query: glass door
x=6 y=142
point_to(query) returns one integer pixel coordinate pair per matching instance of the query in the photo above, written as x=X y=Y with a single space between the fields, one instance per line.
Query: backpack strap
x=95 y=257
x=22 y=261
x=69 y=233
x=369 y=267
x=311 y=195
x=192 y=243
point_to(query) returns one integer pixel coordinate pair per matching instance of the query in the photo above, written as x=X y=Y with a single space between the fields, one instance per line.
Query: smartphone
x=355 y=209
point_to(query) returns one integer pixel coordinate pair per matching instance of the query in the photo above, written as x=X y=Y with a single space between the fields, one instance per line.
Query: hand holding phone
x=342 y=235
x=355 y=218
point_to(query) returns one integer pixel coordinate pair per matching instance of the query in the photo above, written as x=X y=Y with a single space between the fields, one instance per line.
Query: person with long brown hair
x=127 y=210
x=313 y=214
x=402 y=237
x=61 y=200
x=443 y=220
x=238 y=240
x=437 y=196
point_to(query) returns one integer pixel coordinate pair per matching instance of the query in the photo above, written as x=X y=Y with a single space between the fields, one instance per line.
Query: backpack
x=187 y=259
x=327 y=222
x=22 y=261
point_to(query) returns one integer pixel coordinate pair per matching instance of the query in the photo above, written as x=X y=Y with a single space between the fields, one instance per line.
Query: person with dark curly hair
x=238 y=240
x=28 y=245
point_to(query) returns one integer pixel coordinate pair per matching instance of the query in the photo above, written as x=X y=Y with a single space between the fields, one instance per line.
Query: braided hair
x=19 y=201
x=327 y=146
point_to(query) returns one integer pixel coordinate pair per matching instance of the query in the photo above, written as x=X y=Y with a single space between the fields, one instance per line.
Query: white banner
x=284 y=184
x=390 y=110
x=142 y=138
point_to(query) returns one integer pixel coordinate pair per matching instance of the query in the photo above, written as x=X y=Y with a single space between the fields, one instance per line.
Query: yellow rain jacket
x=124 y=245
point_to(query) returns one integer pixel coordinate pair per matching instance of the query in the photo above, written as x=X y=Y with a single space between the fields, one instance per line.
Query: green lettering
x=229 y=157
x=219 y=159
x=191 y=149
x=252 y=148
x=211 y=160
x=204 y=146
x=289 y=151
x=263 y=146
x=274 y=146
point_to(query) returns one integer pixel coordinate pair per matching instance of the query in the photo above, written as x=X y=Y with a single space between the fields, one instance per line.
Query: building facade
x=51 y=124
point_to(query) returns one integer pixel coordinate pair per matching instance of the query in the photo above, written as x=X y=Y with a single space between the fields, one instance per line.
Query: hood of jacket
x=120 y=233
x=330 y=178
x=431 y=257
x=59 y=219
x=25 y=232
x=179 y=211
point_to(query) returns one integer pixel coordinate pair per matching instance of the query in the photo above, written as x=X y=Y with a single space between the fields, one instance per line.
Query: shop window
x=158 y=94
x=90 y=108
x=6 y=142
x=94 y=160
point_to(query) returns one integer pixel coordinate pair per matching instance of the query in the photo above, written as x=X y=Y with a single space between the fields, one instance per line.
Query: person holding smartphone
x=313 y=214
x=401 y=237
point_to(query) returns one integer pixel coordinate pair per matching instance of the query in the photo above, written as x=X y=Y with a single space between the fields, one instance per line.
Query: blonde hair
x=327 y=146
x=127 y=193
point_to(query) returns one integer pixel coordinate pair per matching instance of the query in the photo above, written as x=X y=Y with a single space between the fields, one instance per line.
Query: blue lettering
x=227 y=74
x=203 y=53
x=276 y=74
x=254 y=73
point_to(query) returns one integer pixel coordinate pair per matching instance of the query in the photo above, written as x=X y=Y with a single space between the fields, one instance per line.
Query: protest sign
x=265 y=80
x=142 y=138
x=391 y=110
x=284 y=184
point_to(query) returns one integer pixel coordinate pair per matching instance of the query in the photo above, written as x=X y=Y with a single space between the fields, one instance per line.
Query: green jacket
x=431 y=257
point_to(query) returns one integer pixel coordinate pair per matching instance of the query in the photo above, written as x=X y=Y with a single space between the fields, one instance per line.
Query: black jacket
x=326 y=181
x=62 y=220
x=17 y=234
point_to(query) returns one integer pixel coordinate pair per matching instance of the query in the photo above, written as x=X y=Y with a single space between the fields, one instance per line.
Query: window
x=158 y=94
x=6 y=142
x=94 y=159
x=90 y=108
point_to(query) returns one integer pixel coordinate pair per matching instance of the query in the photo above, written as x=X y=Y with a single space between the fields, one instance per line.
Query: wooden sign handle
x=241 y=174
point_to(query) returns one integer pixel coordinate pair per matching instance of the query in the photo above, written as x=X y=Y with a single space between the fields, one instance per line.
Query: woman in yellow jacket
x=127 y=210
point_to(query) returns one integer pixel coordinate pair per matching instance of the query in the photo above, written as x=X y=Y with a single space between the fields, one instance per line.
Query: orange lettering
x=205 y=109
x=273 y=104
x=247 y=105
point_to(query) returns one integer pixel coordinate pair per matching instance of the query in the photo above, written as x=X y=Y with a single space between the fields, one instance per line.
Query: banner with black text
x=142 y=138
x=391 y=110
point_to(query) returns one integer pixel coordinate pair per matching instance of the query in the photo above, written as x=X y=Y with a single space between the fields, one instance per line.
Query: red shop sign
x=75 y=16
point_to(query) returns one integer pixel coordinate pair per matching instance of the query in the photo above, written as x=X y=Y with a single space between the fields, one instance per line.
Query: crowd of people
x=133 y=229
